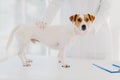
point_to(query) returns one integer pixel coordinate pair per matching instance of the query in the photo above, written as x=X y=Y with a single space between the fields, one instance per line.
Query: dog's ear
x=91 y=17
x=73 y=17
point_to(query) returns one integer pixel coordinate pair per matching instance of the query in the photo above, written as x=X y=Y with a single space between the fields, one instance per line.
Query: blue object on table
x=116 y=65
x=107 y=70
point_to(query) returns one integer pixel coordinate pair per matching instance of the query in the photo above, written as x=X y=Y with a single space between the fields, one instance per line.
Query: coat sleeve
x=101 y=15
x=52 y=10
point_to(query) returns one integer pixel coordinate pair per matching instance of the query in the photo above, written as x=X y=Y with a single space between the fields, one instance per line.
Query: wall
x=12 y=15
x=115 y=26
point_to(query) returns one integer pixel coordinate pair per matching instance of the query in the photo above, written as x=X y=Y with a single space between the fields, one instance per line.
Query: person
x=99 y=8
x=96 y=46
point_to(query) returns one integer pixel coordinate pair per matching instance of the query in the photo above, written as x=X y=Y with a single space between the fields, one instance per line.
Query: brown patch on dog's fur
x=87 y=19
x=71 y=18
x=91 y=17
x=76 y=19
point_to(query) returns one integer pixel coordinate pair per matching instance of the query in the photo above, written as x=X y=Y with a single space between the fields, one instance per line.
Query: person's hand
x=41 y=24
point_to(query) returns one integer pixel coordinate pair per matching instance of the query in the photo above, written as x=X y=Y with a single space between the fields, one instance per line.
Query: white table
x=47 y=68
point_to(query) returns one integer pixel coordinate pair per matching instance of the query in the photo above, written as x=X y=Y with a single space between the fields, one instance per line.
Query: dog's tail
x=11 y=37
x=6 y=56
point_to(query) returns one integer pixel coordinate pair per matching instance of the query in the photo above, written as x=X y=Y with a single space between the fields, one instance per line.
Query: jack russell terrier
x=57 y=37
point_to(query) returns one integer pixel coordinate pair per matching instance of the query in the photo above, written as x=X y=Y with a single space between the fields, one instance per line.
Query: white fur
x=57 y=37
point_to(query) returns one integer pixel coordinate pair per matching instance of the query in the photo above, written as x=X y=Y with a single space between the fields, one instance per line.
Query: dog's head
x=82 y=22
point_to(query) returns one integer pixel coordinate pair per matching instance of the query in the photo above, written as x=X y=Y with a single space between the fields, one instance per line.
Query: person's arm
x=52 y=10
x=101 y=15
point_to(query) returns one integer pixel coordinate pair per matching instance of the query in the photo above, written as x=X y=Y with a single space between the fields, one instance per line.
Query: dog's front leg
x=61 y=57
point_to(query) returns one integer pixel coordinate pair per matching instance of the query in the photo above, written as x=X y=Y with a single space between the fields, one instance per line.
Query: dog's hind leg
x=21 y=54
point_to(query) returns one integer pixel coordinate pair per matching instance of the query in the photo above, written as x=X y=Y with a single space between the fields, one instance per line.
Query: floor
x=47 y=68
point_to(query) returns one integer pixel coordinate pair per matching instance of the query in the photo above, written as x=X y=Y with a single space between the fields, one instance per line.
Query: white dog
x=57 y=37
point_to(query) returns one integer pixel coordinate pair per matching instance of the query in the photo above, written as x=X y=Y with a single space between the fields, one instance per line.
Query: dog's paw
x=66 y=66
x=26 y=65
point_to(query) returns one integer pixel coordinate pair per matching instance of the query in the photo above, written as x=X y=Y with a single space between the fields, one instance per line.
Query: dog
x=54 y=36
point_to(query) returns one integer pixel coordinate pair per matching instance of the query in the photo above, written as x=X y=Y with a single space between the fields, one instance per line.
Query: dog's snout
x=83 y=27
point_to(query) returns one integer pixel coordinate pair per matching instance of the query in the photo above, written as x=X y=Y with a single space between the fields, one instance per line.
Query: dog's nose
x=83 y=27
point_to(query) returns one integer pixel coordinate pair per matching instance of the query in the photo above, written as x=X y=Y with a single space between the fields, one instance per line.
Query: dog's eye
x=80 y=20
x=86 y=19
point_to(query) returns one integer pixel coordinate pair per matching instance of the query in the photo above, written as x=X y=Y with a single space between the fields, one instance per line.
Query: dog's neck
x=76 y=31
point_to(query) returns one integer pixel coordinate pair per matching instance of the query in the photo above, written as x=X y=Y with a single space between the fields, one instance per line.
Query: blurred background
x=15 y=12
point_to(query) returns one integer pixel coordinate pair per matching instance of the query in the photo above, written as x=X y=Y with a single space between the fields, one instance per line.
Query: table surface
x=48 y=68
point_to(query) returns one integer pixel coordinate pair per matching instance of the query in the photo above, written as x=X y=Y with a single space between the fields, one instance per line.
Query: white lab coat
x=91 y=46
